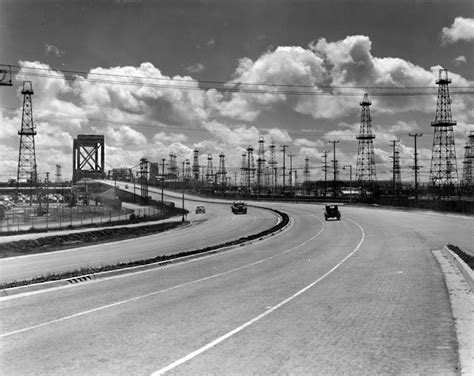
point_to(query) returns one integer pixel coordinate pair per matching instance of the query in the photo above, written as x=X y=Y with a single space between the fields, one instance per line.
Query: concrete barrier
x=465 y=270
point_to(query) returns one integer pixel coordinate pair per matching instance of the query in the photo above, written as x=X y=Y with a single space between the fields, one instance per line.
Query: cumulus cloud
x=462 y=29
x=51 y=49
x=460 y=60
x=195 y=68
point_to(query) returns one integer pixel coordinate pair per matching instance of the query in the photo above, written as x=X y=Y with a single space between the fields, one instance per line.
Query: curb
x=112 y=273
x=465 y=270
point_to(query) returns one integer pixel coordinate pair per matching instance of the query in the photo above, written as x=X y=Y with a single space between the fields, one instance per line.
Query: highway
x=363 y=295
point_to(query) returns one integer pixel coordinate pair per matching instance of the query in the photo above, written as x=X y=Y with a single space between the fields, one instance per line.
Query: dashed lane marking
x=259 y=317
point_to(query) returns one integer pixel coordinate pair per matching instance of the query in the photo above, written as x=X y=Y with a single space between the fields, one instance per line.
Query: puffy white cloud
x=460 y=60
x=51 y=49
x=195 y=68
x=462 y=29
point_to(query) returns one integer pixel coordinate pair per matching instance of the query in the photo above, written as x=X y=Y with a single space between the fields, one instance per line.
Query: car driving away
x=331 y=212
x=238 y=207
x=200 y=209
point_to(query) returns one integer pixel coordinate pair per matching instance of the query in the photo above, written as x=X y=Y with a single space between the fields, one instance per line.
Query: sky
x=169 y=76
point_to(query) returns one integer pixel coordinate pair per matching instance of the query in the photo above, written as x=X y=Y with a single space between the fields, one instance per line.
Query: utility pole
x=325 y=169
x=416 y=168
x=334 y=165
x=283 y=149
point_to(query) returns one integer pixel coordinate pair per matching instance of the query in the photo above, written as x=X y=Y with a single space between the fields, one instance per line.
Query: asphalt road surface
x=216 y=226
x=363 y=295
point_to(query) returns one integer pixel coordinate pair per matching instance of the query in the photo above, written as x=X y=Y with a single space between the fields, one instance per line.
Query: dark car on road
x=200 y=209
x=239 y=208
x=332 y=211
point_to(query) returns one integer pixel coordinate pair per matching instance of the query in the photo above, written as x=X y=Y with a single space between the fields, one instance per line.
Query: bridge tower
x=365 y=168
x=443 y=171
x=27 y=171
x=88 y=157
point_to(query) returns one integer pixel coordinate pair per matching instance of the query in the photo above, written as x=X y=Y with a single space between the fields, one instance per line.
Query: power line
x=236 y=87
x=18 y=69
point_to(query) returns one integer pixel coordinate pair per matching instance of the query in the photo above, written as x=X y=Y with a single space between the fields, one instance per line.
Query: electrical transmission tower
x=196 y=165
x=260 y=163
x=27 y=155
x=222 y=172
x=396 y=176
x=443 y=170
x=365 y=169
x=467 y=163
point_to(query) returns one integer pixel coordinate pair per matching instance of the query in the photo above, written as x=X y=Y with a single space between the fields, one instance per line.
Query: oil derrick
x=365 y=169
x=272 y=163
x=467 y=163
x=58 y=173
x=27 y=157
x=396 y=176
x=250 y=167
x=173 y=167
x=443 y=171
x=209 y=169
x=243 y=170
x=143 y=172
x=260 y=163
x=187 y=170
x=222 y=172
x=196 y=165
x=306 y=170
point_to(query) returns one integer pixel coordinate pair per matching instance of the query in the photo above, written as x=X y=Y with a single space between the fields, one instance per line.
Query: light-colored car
x=200 y=209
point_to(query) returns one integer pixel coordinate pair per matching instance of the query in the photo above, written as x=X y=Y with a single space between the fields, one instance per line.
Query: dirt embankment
x=58 y=242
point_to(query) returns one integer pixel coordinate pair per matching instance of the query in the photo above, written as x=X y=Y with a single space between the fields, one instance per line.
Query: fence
x=59 y=217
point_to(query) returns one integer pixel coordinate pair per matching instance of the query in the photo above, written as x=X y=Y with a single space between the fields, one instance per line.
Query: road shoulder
x=462 y=304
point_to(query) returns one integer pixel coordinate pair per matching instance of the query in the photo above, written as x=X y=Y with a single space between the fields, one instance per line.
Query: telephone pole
x=334 y=165
x=416 y=167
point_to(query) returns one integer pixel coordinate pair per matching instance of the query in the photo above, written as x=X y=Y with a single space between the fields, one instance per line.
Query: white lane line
x=257 y=318
x=159 y=291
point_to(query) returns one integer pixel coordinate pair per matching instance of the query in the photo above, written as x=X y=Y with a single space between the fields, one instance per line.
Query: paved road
x=359 y=296
x=216 y=226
